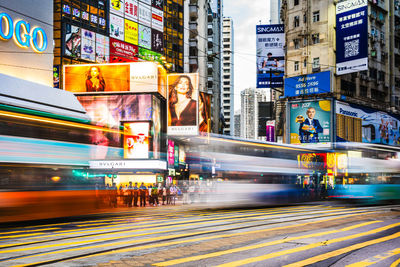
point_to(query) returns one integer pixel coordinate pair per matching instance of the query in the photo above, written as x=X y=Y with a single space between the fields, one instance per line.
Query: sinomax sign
x=23 y=34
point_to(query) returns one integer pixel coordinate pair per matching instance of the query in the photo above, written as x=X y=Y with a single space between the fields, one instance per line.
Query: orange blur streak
x=55 y=121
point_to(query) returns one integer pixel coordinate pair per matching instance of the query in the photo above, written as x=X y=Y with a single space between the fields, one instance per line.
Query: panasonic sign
x=348 y=113
x=23 y=34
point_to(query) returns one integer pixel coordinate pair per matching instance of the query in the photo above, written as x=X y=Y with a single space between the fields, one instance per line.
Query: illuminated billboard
x=136 y=140
x=204 y=112
x=310 y=122
x=131 y=32
x=136 y=77
x=183 y=91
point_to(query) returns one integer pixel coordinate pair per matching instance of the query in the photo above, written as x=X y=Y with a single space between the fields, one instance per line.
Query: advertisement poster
x=270 y=131
x=131 y=10
x=270 y=55
x=377 y=127
x=56 y=76
x=158 y=4
x=96 y=78
x=156 y=111
x=176 y=156
x=131 y=32
x=110 y=110
x=157 y=19
x=310 y=122
x=149 y=55
x=116 y=27
x=204 y=112
x=171 y=153
x=88 y=45
x=316 y=83
x=102 y=49
x=157 y=41
x=136 y=140
x=117 y=7
x=183 y=91
x=351 y=36
x=121 y=51
x=72 y=41
x=147 y=2
x=144 y=36
x=144 y=77
x=145 y=14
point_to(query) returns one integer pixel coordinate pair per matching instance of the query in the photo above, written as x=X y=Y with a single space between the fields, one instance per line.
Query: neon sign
x=24 y=36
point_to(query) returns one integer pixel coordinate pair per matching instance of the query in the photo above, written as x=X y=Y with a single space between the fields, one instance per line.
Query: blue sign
x=316 y=83
x=270 y=55
x=351 y=36
x=23 y=34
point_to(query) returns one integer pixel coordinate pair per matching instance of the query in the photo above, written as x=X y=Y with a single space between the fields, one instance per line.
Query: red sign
x=121 y=51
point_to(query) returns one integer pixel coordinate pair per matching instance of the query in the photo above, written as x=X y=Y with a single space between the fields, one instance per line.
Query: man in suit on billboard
x=310 y=128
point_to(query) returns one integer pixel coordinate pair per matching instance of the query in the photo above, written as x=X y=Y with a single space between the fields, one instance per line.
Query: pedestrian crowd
x=135 y=195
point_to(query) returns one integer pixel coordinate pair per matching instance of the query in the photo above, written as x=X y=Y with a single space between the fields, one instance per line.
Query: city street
x=319 y=234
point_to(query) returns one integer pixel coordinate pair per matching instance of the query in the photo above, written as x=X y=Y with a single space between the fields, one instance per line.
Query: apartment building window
x=315 y=16
x=296 y=2
x=381 y=76
x=296 y=43
x=305 y=63
x=305 y=41
x=305 y=18
x=296 y=21
x=296 y=66
x=315 y=63
x=315 y=38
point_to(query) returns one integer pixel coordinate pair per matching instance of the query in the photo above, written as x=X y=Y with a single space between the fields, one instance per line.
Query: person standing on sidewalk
x=142 y=190
x=135 y=195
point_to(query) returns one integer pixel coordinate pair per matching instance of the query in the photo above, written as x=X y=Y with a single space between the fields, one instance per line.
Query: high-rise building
x=250 y=98
x=237 y=123
x=311 y=29
x=275 y=11
x=214 y=60
x=227 y=94
x=173 y=34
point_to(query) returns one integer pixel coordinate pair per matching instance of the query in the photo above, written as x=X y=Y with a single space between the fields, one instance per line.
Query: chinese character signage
x=131 y=32
x=131 y=10
x=171 y=153
x=121 y=51
x=144 y=36
x=310 y=122
x=270 y=131
x=183 y=91
x=116 y=27
x=351 y=36
x=316 y=83
x=270 y=55
x=157 y=41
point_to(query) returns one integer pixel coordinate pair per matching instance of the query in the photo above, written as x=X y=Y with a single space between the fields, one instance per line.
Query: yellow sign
x=131 y=32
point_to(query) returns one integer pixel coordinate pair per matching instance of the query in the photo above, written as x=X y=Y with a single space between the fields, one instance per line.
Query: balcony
x=193 y=29
x=193 y=42
x=193 y=11
x=210 y=30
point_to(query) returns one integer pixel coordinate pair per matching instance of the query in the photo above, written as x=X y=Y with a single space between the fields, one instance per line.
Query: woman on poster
x=182 y=107
x=203 y=113
x=94 y=80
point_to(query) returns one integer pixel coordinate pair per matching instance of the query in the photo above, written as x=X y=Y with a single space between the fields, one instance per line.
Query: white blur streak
x=240 y=163
x=368 y=165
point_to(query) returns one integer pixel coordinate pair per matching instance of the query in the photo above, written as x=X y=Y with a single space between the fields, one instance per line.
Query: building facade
x=250 y=98
x=227 y=94
x=311 y=29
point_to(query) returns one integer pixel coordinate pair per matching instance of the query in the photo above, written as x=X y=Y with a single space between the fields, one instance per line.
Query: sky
x=245 y=15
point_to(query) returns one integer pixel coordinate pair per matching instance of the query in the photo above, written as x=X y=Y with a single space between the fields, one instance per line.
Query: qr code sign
x=351 y=48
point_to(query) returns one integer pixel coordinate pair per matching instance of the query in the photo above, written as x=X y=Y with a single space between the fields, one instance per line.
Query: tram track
x=167 y=239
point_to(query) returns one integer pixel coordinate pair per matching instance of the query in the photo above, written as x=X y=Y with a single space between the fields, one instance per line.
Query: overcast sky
x=246 y=15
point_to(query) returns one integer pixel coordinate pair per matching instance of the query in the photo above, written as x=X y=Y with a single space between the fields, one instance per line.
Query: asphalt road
x=316 y=235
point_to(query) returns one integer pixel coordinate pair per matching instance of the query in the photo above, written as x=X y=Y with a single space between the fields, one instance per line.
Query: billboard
x=131 y=32
x=88 y=45
x=109 y=110
x=204 y=112
x=351 y=36
x=310 y=122
x=72 y=41
x=144 y=36
x=102 y=48
x=131 y=10
x=136 y=140
x=183 y=91
x=116 y=27
x=270 y=131
x=270 y=55
x=117 y=7
x=377 y=127
x=316 y=83
x=121 y=51
x=157 y=41
x=157 y=19
x=136 y=77
x=171 y=153
x=145 y=14
x=158 y=4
